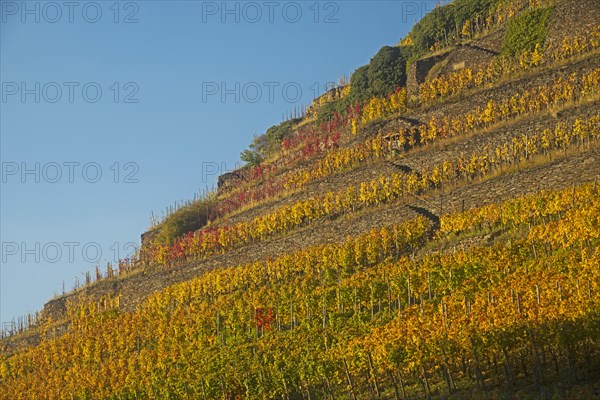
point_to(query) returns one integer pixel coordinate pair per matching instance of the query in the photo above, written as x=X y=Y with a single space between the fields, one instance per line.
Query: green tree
x=257 y=151
x=387 y=71
x=359 y=84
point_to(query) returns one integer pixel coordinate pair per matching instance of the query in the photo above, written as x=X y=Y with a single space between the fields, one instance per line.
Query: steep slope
x=388 y=252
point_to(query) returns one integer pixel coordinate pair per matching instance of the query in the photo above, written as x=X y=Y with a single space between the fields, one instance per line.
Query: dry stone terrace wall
x=418 y=71
x=230 y=179
x=148 y=236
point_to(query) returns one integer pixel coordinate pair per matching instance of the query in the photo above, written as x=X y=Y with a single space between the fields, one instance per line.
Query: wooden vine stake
x=350 y=384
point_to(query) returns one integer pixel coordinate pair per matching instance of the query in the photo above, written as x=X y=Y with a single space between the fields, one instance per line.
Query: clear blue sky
x=160 y=116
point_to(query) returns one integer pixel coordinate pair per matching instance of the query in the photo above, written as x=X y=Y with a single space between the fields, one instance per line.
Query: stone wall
x=228 y=180
x=418 y=71
x=148 y=236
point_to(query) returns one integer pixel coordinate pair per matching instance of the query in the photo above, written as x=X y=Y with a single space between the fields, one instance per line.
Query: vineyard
x=435 y=243
x=375 y=314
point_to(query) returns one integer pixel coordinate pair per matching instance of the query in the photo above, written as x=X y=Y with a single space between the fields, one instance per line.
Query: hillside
x=429 y=229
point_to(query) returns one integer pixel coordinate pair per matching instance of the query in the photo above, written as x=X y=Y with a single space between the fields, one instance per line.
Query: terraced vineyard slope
x=434 y=234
